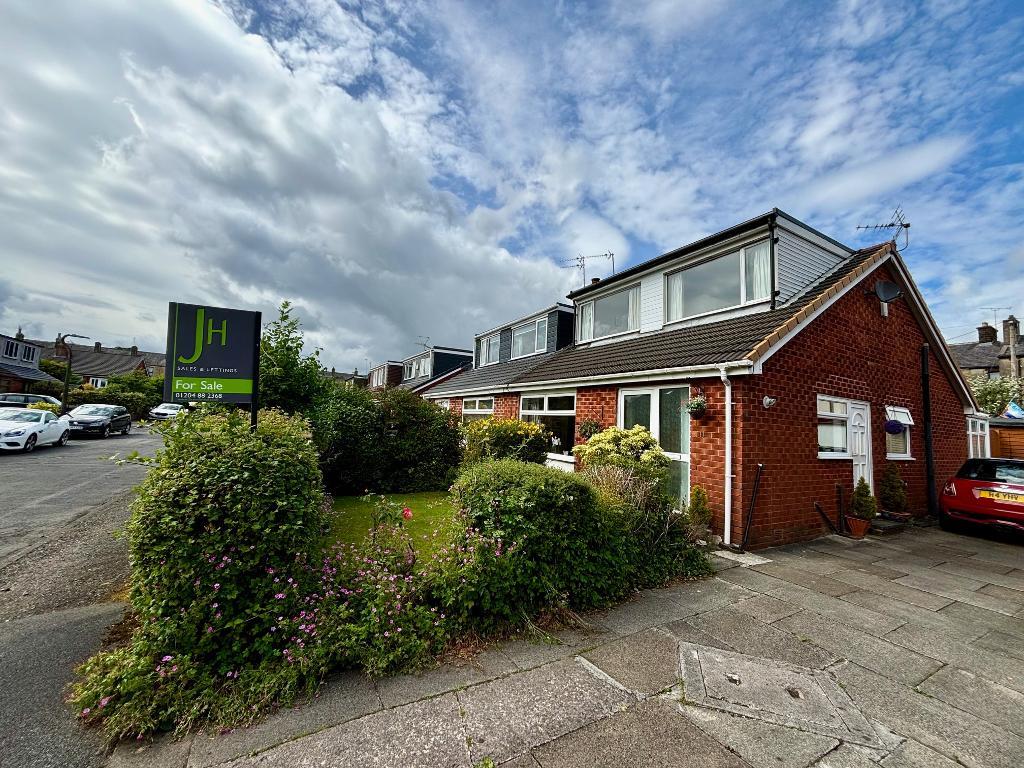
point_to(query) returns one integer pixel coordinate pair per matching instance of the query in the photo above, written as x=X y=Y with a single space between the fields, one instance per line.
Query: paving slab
x=937 y=621
x=1001 y=642
x=956 y=734
x=686 y=632
x=760 y=743
x=748 y=635
x=753 y=580
x=506 y=718
x=837 y=609
x=1013 y=596
x=965 y=690
x=799 y=556
x=904 y=665
x=345 y=697
x=535 y=651
x=765 y=608
x=985 y=618
x=849 y=756
x=875 y=569
x=699 y=596
x=858 y=579
x=980 y=570
x=836 y=546
x=403 y=689
x=961 y=589
x=913 y=754
x=161 y=753
x=643 y=611
x=908 y=563
x=523 y=761
x=425 y=734
x=652 y=734
x=1000 y=669
x=823 y=584
x=1012 y=556
x=645 y=663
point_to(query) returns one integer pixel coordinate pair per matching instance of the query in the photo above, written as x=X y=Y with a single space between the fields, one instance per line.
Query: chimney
x=987 y=334
x=1011 y=330
x=135 y=351
x=19 y=335
x=98 y=347
x=595 y=280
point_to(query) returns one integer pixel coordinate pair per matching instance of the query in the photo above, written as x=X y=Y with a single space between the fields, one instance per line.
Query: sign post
x=213 y=355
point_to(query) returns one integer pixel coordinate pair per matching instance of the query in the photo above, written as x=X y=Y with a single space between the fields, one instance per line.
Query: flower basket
x=894 y=427
x=858 y=527
x=697 y=407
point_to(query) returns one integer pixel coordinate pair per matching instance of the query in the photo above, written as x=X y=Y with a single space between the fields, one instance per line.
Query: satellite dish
x=887 y=291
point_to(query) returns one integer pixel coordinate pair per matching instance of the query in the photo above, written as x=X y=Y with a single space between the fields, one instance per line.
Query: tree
x=289 y=380
x=57 y=369
x=993 y=395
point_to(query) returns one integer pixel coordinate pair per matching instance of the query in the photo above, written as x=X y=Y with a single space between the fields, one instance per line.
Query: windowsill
x=899 y=458
x=528 y=354
x=609 y=336
x=567 y=458
x=830 y=456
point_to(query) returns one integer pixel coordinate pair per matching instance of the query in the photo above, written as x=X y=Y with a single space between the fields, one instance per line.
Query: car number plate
x=76 y=426
x=1017 y=498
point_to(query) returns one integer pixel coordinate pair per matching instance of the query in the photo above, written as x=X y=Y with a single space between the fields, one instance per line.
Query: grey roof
x=422 y=383
x=981 y=354
x=709 y=344
x=25 y=372
x=86 y=361
x=496 y=375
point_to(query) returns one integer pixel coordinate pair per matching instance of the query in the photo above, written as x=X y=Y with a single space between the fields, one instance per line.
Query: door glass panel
x=678 y=480
x=673 y=419
x=636 y=409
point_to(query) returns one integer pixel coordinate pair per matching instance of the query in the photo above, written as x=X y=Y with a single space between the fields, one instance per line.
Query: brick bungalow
x=802 y=365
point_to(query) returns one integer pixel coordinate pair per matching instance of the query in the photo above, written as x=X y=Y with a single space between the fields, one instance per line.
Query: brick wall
x=455 y=405
x=597 y=403
x=506 y=406
x=850 y=351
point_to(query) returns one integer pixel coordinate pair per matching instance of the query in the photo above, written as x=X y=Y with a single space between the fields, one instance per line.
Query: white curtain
x=634 y=308
x=674 y=297
x=759 y=271
x=587 y=321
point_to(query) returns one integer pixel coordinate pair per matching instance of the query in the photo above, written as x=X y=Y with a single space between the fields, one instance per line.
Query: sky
x=410 y=172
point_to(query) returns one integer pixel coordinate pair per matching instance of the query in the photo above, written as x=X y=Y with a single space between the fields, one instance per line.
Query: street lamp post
x=62 y=341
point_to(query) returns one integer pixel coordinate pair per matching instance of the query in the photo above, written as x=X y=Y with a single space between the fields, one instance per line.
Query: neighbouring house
x=96 y=364
x=19 y=364
x=503 y=354
x=352 y=380
x=802 y=379
x=435 y=364
x=988 y=356
x=387 y=374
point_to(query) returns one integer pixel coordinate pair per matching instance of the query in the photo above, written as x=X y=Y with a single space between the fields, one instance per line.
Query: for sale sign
x=212 y=354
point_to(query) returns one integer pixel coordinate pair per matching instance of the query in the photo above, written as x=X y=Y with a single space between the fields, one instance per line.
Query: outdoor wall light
x=769 y=401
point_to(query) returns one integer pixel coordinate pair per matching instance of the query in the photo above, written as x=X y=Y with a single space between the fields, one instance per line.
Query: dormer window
x=610 y=315
x=28 y=354
x=487 y=349
x=416 y=368
x=530 y=339
x=732 y=280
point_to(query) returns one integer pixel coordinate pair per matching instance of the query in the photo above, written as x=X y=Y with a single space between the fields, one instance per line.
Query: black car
x=99 y=419
x=24 y=400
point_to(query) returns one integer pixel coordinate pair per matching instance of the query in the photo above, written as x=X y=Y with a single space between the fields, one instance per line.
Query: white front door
x=663 y=412
x=860 y=441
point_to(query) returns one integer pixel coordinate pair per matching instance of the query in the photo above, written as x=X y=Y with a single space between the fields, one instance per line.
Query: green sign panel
x=212 y=354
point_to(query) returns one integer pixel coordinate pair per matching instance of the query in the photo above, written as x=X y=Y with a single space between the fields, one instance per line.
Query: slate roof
x=737 y=338
x=25 y=373
x=423 y=383
x=86 y=361
x=497 y=375
x=981 y=354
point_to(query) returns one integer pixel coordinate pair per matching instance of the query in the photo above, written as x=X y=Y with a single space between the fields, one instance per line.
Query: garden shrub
x=633 y=448
x=494 y=438
x=892 y=491
x=862 y=503
x=42 y=405
x=138 y=404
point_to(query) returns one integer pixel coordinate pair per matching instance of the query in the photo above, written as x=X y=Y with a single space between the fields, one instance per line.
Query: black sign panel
x=212 y=354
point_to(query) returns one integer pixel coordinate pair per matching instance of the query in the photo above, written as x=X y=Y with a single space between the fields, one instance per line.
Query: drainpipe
x=727 y=533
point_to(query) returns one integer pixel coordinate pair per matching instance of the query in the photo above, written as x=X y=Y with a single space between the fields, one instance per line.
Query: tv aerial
x=897 y=225
x=579 y=261
x=423 y=341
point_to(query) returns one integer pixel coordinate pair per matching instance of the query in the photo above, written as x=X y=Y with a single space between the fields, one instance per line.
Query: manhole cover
x=783 y=694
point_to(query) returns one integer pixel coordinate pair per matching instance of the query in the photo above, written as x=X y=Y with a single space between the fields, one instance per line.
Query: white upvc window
x=833 y=428
x=416 y=368
x=474 y=408
x=897 y=447
x=610 y=315
x=978 y=446
x=724 y=282
x=377 y=378
x=556 y=412
x=487 y=349
x=531 y=338
x=28 y=353
x=446 y=404
x=663 y=412
x=10 y=348
x=97 y=381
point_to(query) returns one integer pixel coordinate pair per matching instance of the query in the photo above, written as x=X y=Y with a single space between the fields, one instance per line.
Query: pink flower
x=279 y=596
x=86 y=711
x=216 y=586
x=167 y=658
x=407 y=513
x=104 y=701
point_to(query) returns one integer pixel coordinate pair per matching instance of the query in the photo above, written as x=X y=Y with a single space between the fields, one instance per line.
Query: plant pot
x=697 y=413
x=858 y=527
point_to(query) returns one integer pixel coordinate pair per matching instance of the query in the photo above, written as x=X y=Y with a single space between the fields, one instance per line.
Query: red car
x=986 y=491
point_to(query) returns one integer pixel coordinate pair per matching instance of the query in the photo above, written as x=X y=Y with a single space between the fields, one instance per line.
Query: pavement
x=905 y=651
x=59 y=565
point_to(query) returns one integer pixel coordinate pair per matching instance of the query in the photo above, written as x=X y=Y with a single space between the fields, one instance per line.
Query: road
x=42 y=491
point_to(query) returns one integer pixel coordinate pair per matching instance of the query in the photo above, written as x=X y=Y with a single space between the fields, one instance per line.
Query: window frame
x=655 y=423
x=983 y=432
x=593 y=314
x=546 y=410
x=12 y=345
x=844 y=417
x=28 y=353
x=476 y=410
x=537 y=348
x=901 y=414
x=482 y=345
x=94 y=381
x=744 y=301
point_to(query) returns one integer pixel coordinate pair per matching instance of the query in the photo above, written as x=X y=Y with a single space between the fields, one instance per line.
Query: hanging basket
x=894 y=427
x=697 y=407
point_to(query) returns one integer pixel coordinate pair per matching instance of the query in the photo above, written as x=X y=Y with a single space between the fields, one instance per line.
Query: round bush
x=506 y=439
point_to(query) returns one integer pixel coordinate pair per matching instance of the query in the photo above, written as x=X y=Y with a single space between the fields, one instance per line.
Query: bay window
x=487 y=349
x=730 y=280
x=556 y=413
x=609 y=315
x=531 y=338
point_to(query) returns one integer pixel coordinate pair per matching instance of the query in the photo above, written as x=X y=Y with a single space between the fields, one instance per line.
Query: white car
x=22 y=429
x=166 y=411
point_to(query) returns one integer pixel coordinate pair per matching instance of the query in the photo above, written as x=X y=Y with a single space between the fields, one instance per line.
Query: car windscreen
x=21 y=415
x=993 y=470
x=92 y=410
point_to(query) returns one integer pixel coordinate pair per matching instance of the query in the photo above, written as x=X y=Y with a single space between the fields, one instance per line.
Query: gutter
x=727 y=532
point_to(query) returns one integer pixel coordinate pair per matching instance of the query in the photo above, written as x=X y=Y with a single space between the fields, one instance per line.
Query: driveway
x=901 y=651
x=50 y=487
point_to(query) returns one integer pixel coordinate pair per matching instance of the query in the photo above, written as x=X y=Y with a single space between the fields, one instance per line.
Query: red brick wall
x=455 y=405
x=506 y=406
x=849 y=351
x=597 y=403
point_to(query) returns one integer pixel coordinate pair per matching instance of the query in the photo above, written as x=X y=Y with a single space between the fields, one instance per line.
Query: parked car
x=99 y=419
x=22 y=429
x=166 y=411
x=24 y=400
x=985 y=491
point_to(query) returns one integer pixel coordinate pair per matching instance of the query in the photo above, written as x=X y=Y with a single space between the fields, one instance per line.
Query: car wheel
x=127 y=429
x=64 y=438
x=30 y=444
x=106 y=432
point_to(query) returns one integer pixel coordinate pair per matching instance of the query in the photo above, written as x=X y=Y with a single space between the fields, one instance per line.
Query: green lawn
x=430 y=510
